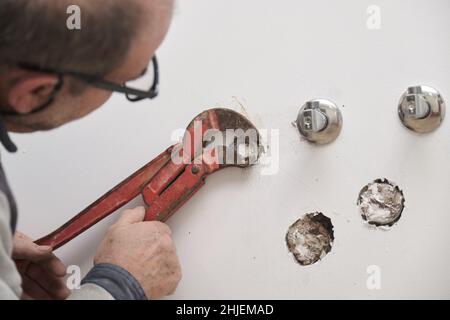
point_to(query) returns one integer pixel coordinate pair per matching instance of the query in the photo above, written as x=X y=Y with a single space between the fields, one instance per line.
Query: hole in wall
x=381 y=203
x=310 y=238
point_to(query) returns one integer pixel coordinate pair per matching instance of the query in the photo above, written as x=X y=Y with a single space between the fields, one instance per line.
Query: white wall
x=272 y=56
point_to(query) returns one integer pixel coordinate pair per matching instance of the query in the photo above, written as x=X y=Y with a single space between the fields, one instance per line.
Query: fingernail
x=45 y=248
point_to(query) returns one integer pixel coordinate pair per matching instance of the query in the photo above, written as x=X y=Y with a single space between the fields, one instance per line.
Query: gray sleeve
x=107 y=281
x=118 y=282
x=90 y=291
x=10 y=280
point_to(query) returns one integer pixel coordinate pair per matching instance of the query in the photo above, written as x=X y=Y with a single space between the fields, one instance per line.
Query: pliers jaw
x=215 y=139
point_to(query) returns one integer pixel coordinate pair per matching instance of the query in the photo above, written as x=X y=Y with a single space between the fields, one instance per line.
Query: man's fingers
x=161 y=227
x=137 y=215
x=131 y=216
x=33 y=289
x=54 y=286
x=42 y=272
x=28 y=250
x=55 y=266
x=21 y=236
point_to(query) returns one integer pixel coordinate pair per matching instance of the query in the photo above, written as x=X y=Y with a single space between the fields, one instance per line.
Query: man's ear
x=31 y=92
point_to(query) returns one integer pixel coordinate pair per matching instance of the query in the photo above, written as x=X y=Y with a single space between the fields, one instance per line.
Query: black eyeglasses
x=133 y=94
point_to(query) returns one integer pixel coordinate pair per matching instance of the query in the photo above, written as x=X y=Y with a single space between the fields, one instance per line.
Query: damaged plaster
x=310 y=238
x=381 y=203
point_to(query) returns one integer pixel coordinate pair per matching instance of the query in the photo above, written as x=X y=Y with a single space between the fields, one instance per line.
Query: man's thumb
x=28 y=250
x=132 y=216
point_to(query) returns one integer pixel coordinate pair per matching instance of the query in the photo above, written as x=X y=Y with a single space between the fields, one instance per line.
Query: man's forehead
x=154 y=20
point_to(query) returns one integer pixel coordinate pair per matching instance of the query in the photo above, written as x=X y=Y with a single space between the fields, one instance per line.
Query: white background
x=272 y=56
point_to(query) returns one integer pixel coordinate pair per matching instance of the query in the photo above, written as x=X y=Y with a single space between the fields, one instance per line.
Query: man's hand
x=42 y=272
x=145 y=249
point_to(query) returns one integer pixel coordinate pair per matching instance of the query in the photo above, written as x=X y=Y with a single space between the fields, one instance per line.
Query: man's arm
x=130 y=249
x=106 y=282
x=10 y=279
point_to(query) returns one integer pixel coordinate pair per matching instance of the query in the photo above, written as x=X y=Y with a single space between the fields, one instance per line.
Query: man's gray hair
x=35 y=32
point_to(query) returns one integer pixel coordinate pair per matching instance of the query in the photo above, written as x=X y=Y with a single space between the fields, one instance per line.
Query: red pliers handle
x=164 y=185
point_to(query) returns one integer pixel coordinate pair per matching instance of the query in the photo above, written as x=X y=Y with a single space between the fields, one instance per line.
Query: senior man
x=50 y=75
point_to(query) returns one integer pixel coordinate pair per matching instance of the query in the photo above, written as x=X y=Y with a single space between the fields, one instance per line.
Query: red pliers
x=166 y=184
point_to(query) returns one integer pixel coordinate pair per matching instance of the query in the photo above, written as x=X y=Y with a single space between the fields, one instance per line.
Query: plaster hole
x=381 y=203
x=310 y=238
